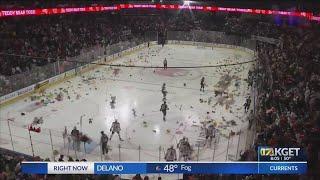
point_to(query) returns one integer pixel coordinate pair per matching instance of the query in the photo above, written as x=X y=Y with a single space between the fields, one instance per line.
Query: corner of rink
x=93 y=99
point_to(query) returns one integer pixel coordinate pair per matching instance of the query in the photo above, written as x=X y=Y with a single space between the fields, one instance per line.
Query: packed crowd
x=288 y=81
x=44 y=39
x=29 y=44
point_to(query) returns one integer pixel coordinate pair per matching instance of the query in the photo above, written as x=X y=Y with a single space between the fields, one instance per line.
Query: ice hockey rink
x=138 y=99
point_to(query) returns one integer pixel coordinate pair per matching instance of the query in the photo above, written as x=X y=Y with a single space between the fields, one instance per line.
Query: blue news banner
x=164 y=167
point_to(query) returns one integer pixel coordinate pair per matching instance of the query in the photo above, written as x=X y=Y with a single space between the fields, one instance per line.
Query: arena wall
x=192 y=43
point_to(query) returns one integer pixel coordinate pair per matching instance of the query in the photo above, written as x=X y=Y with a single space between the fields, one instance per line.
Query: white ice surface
x=138 y=88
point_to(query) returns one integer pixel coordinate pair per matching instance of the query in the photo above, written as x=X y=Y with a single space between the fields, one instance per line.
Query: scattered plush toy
x=59 y=97
x=145 y=124
x=34 y=129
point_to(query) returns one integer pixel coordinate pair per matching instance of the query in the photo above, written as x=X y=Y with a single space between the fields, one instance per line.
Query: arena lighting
x=186 y=3
x=58 y=10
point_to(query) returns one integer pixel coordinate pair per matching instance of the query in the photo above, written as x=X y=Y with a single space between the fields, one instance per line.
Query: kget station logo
x=279 y=154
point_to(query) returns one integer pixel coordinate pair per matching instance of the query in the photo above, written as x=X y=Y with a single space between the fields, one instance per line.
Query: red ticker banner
x=50 y=11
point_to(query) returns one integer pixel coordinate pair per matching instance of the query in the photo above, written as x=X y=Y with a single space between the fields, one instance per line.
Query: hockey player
x=75 y=135
x=184 y=149
x=180 y=146
x=188 y=150
x=115 y=127
x=104 y=143
x=202 y=84
x=165 y=63
x=113 y=102
x=163 y=109
x=171 y=154
x=247 y=104
x=113 y=99
x=210 y=134
x=237 y=84
x=65 y=132
x=134 y=112
x=164 y=91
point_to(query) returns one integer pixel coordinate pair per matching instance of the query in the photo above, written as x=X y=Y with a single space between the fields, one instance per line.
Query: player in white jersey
x=113 y=102
x=184 y=149
x=171 y=154
x=115 y=127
